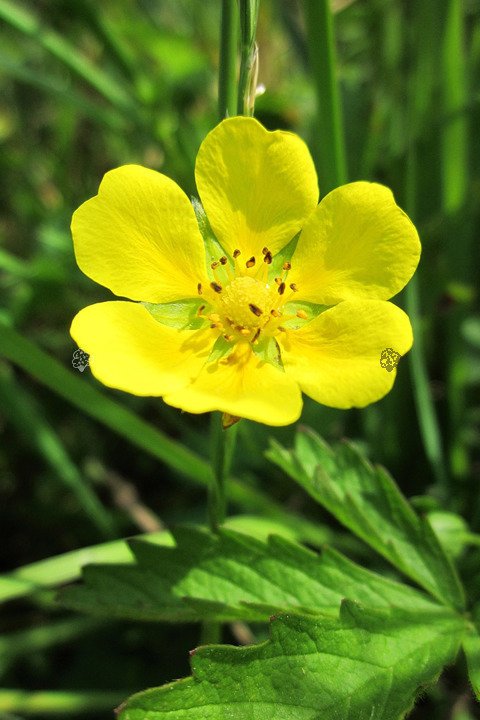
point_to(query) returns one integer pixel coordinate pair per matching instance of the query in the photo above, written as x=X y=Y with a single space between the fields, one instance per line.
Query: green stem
x=223 y=446
x=421 y=98
x=227 y=78
x=321 y=44
x=249 y=56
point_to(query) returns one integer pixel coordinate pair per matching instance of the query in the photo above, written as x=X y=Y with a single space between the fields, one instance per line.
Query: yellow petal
x=257 y=187
x=357 y=244
x=139 y=237
x=336 y=357
x=245 y=387
x=131 y=351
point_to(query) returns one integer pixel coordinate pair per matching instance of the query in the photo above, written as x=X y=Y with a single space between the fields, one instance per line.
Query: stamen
x=287 y=266
x=265 y=251
x=216 y=287
x=199 y=288
x=293 y=287
x=200 y=310
x=236 y=253
x=250 y=263
x=268 y=257
x=276 y=313
x=214 y=317
x=302 y=314
x=229 y=338
x=245 y=331
x=281 y=328
x=214 y=265
x=223 y=260
x=281 y=288
x=278 y=281
x=255 y=309
x=255 y=337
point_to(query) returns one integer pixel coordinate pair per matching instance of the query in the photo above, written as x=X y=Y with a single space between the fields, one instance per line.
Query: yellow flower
x=241 y=313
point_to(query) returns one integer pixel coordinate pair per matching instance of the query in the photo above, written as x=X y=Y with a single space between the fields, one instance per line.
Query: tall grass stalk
x=332 y=166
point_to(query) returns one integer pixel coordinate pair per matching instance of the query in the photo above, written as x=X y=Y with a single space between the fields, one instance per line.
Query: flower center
x=244 y=305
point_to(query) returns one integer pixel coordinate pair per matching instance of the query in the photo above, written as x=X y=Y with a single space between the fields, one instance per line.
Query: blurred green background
x=87 y=86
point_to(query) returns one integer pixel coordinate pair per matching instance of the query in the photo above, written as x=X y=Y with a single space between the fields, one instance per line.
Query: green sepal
x=269 y=351
x=220 y=349
x=180 y=314
x=312 y=309
x=284 y=255
x=213 y=249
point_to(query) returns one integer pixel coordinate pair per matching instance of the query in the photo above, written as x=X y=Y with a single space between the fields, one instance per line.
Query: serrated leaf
x=232 y=577
x=363 y=665
x=471 y=648
x=367 y=501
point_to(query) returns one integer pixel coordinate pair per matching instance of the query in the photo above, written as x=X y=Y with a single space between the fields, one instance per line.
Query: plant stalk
x=332 y=168
x=227 y=77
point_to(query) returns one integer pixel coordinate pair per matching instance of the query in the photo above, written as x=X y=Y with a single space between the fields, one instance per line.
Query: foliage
x=362 y=628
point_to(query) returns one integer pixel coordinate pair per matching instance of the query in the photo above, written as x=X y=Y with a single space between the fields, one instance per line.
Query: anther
x=281 y=288
x=302 y=314
x=214 y=317
x=255 y=309
x=214 y=265
x=282 y=329
x=264 y=251
x=223 y=260
x=245 y=331
x=236 y=253
x=287 y=266
x=199 y=288
x=216 y=287
x=293 y=287
x=229 y=338
x=255 y=337
x=200 y=310
x=275 y=313
x=268 y=257
x=250 y=263
x=278 y=281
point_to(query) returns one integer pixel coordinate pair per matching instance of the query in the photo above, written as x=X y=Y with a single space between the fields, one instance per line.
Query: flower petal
x=336 y=357
x=139 y=237
x=257 y=187
x=131 y=351
x=357 y=244
x=246 y=387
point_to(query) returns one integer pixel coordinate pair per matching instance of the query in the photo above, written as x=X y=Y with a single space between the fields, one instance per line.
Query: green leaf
x=471 y=648
x=366 y=500
x=67 y=567
x=232 y=577
x=363 y=665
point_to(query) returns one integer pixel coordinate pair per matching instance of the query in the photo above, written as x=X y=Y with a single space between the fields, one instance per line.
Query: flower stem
x=227 y=78
x=222 y=447
x=247 y=83
x=321 y=45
